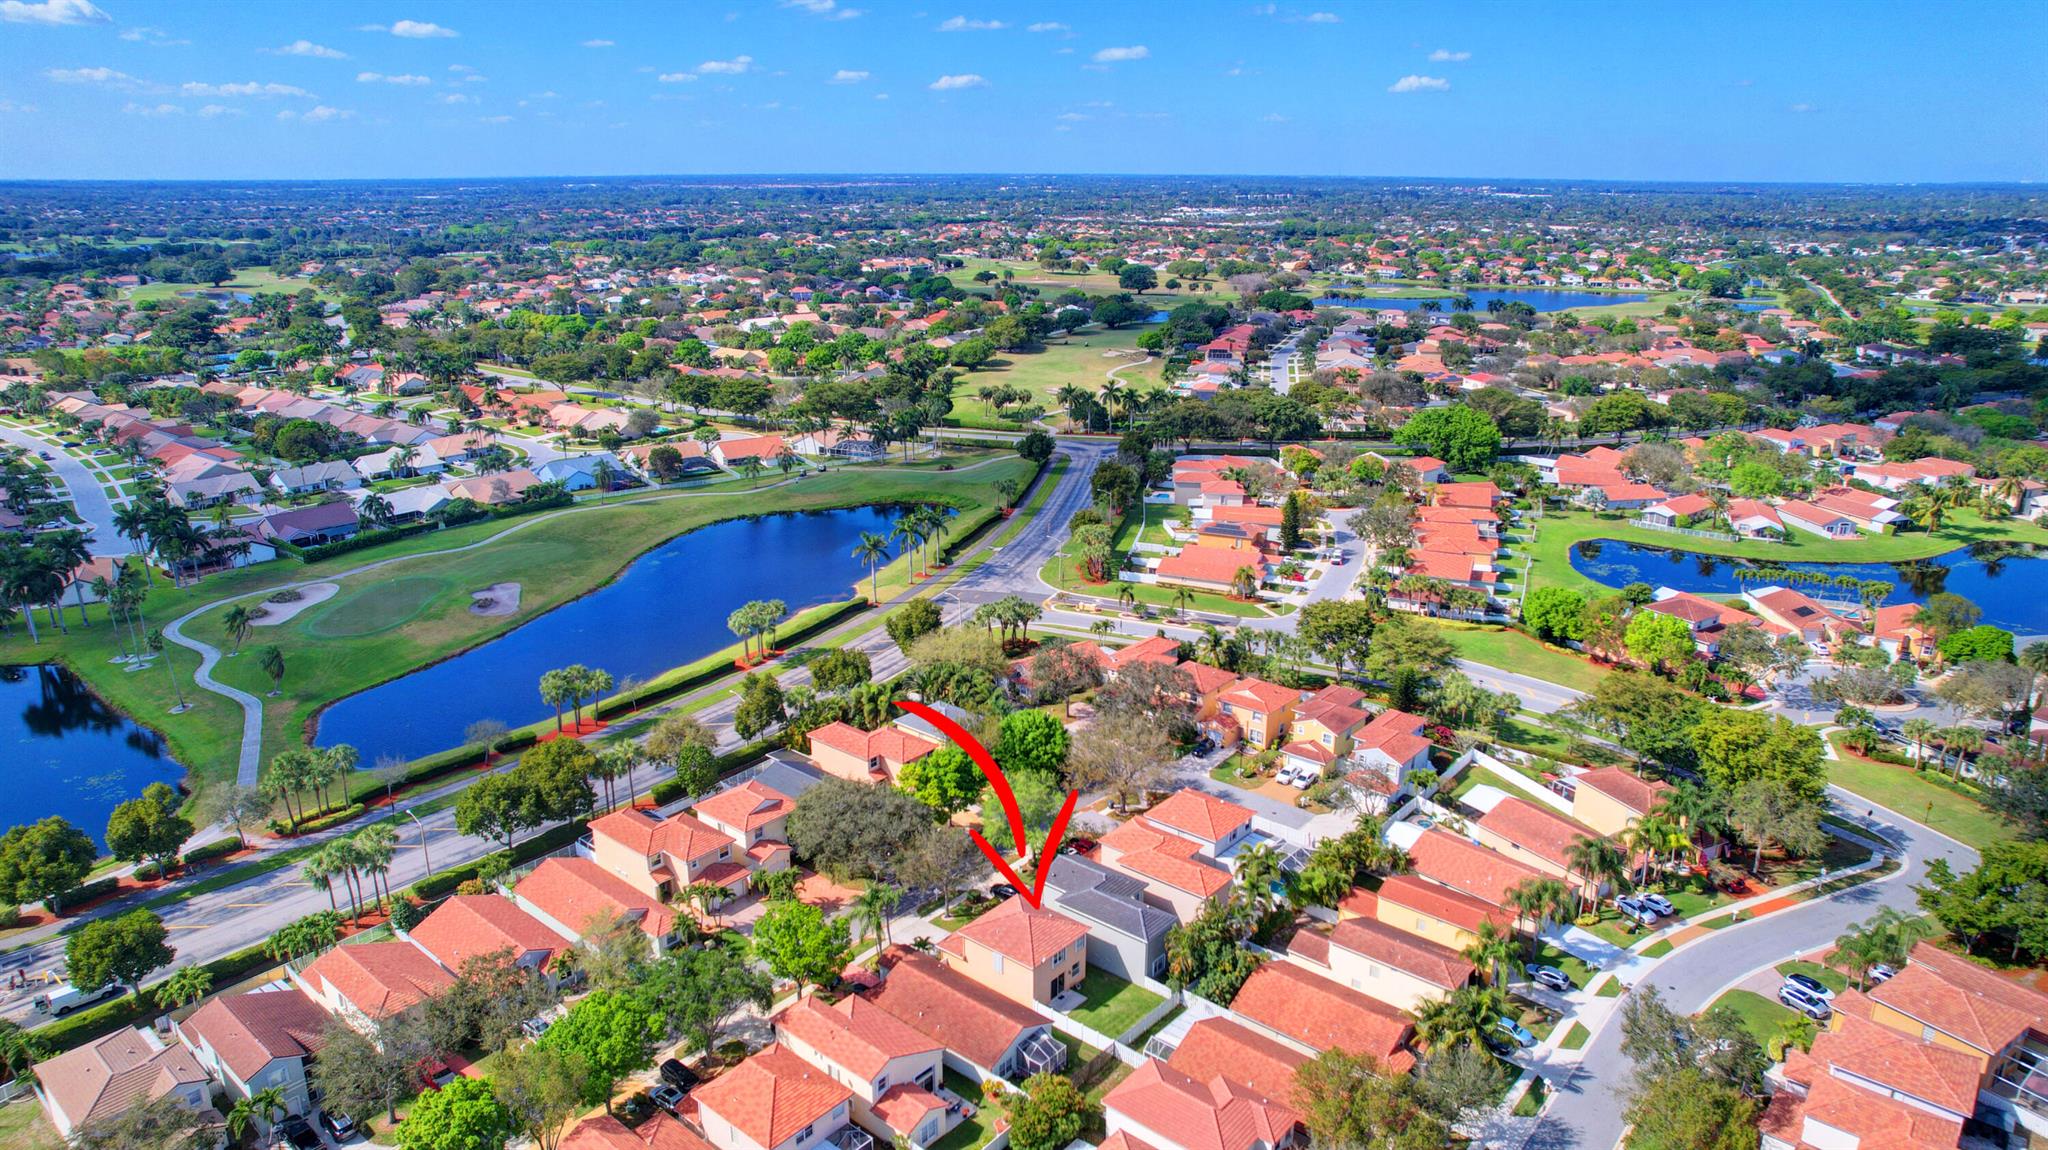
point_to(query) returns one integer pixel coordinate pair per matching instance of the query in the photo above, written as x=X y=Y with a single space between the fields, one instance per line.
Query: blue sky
x=1869 y=91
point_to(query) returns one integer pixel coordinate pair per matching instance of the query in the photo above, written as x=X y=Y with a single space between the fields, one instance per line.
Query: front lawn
x=1908 y=792
x=1512 y=650
x=1827 y=976
x=1574 y=967
x=1113 y=1005
x=1761 y=1016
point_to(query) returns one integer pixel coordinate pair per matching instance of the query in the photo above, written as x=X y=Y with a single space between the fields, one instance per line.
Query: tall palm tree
x=1541 y=900
x=909 y=532
x=1698 y=810
x=1964 y=741
x=263 y=1107
x=1258 y=874
x=1495 y=951
x=238 y=622
x=1126 y=595
x=1595 y=860
x=871 y=913
x=706 y=897
x=378 y=846
x=872 y=550
x=1919 y=731
x=1182 y=596
x=1465 y=1015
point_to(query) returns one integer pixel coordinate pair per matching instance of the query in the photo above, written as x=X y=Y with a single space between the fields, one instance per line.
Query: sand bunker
x=494 y=600
x=271 y=614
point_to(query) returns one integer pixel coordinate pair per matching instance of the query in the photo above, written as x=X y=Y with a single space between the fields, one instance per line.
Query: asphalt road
x=1585 y=1112
x=87 y=497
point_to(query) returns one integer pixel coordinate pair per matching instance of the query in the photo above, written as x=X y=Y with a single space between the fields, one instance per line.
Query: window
x=881 y=1084
x=804 y=1135
x=998 y=961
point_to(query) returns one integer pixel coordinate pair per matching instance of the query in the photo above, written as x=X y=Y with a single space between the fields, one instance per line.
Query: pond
x=665 y=609
x=219 y=296
x=1542 y=299
x=69 y=753
x=1999 y=577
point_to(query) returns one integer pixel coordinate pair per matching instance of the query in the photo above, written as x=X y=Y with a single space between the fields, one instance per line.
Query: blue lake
x=667 y=608
x=69 y=753
x=2002 y=579
x=1542 y=299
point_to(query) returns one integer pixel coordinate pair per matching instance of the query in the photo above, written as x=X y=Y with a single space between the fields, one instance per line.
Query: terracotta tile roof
x=605 y=1132
x=1397 y=734
x=1412 y=954
x=1208 y=680
x=747 y=806
x=1205 y=564
x=1938 y=1074
x=380 y=978
x=1125 y=1140
x=959 y=1013
x=1196 y=1115
x=1361 y=902
x=250 y=1031
x=904 y=1106
x=1322 y=1014
x=473 y=924
x=1466 y=866
x=853 y=1032
x=1441 y=902
x=1479 y=494
x=681 y=835
x=1536 y=829
x=1961 y=999
x=1158 y=646
x=772 y=1095
x=110 y=1075
x=1221 y=1048
x=1637 y=794
x=576 y=891
x=1876 y=1122
x=1155 y=854
x=1023 y=933
x=890 y=743
x=1199 y=814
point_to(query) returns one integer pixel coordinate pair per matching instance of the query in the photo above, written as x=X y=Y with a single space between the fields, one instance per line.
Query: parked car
x=1806 y=1004
x=1736 y=885
x=67 y=998
x=300 y=1133
x=1003 y=890
x=1515 y=1031
x=1304 y=778
x=665 y=1096
x=1077 y=846
x=1633 y=909
x=1880 y=972
x=1549 y=976
x=340 y=1127
x=1204 y=745
x=536 y=1026
x=678 y=1075
x=1812 y=986
x=1658 y=903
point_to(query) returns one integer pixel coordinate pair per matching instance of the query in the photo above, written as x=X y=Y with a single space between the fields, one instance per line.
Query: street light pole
x=429 y=859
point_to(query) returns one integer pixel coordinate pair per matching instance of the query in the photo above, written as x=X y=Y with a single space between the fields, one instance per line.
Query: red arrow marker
x=1033 y=891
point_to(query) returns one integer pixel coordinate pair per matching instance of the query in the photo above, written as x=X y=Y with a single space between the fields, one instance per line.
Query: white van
x=66 y=998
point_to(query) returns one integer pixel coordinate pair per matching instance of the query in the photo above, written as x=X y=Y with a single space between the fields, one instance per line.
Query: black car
x=679 y=1076
x=1003 y=890
x=340 y=1127
x=300 y=1133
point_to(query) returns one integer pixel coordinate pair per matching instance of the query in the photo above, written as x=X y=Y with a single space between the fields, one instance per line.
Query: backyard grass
x=1064 y=571
x=1514 y=651
x=976 y=1131
x=1761 y=1016
x=23 y=1127
x=1476 y=776
x=1558 y=531
x=554 y=556
x=1827 y=976
x=1113 y=1005
x=1904 y=790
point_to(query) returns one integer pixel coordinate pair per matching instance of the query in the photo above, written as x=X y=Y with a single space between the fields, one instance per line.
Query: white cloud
x=1420 y=84
x=460 y=68
x=154 y=37
x=408 y=81
x=829 y=9
x=154 y=110
x=494 y=119
x=963 y=24
x=318 y=115
x=599 y=43
x=308 y=48
x=1120 y=55
x=1322 y=18
x=9 y=107
x=412 y=30
x=848 y=76
x=212 y=110
x=1046 y=26
x=1802 y=109
x=1273 y=118
x=1446 y=56
x=89 y=76
x=957 y=82
x=456 y=98
x=677 y=77
x=246 y=88
x=881 y=95
x=1074 y=117
x=733 y=67
x=473 y=78
x=52 y=12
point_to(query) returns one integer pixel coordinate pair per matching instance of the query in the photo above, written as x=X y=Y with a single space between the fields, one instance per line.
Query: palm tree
x=1259 y=872
x=1126 y=595
x=1540 y=900
x=1964 y=741
x=1070 y=396
x=273 y=665
x=1244 y=583
x=1495 y=951
x=237 y=623
x=185 y=986
x=554 y=691
x=872 y=550
x=871 y=913
x=378 y=843
x=1466 y=1014
x=1596 y=860
x=1182 y=597
x=706 y=897
x=264 y=1107
x=1919 y=731
x=909 y=532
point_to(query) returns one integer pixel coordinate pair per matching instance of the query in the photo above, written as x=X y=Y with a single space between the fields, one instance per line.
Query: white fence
x=1697 y=534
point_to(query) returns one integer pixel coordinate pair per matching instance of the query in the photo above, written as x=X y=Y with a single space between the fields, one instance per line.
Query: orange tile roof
x=1208 y=680
x=249 y=1031
x=108 y=1076
x=1536 y=829
x=1197 y=813
x=1210 y=564
x=1155 y=854
x=1440 y=902
x=380 y=978
x=1412 y=954
x=1196 y=1115
x=772 y=1095
x=853 y=1032
x=605 y=1132
x=1962 y=999
x=904 y=1106
x=1323 y=1015
x=468 y=925
x=1876 y=1121
x=1221 y=1048
x=681 y=835
x=1637 y=794
x=747 y=806
x=1467 y=866
x=959 y=1013
x=890 y=744
x=1394 y=733
x=576 y=891
x=1938 y=1074
x=1023 y=933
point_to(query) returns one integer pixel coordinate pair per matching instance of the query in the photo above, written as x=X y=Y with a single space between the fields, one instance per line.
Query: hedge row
x=442 y=884
x=132 y=1009
x=86 y=892
x=218 y=848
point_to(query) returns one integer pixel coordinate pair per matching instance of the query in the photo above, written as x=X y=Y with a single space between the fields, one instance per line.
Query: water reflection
x=66 y=752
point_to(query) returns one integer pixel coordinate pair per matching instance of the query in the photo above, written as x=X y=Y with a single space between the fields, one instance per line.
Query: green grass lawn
x=976 y=1131
x=1609 y=989
x=23 y=1127
x=1076 y=359
x=1514 y=651
x=1574 y=967
x=1530 y=1104
x=1827 y=976
x=1557 y=531
x=246 y=280
x=1064 y=571
x=1114 y=1005
x=1761 y=1016
x=1906 y=791
x=355 y=641
x=1575 y=1037
x=1657 y=949
x=1475 y=776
